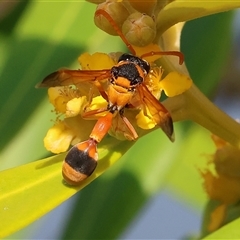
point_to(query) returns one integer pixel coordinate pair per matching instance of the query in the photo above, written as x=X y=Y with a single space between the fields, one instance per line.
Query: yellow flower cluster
x=222 y=182
x=139 y=33
x=224 y=185
x=70 y=102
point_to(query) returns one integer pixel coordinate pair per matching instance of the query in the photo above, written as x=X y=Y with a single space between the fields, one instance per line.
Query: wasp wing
x=65 y=77
x=159 y=113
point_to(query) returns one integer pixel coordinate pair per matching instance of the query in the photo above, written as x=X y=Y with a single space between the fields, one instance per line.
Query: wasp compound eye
x=115 y=72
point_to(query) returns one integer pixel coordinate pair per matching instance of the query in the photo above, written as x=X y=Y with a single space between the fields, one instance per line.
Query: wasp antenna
x=171 y=53
x=116 y=28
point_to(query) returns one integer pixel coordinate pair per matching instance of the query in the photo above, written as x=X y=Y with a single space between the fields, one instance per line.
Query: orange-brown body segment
x=101 y=127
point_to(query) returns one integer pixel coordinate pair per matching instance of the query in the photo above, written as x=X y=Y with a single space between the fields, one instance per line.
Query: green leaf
x=35 y=47
x=185 y=179
x=16 y=105
x=8 y=23
x=230 y=231
x=110 y=203
x=216 y=215
x=32 y=190
x=31 y=53
x=205 y=43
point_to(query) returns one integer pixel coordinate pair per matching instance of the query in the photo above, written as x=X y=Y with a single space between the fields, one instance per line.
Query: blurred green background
x=38 y=37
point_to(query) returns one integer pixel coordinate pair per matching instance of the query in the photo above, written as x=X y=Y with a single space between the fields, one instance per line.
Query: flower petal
x=175 y=83
x=58 y=138
x=80 y=127
x=144 y=122
x=222 y=188
x=57 y=99
x=95 y=61
x=74 y=106
x=148 y=49
x=98 y=103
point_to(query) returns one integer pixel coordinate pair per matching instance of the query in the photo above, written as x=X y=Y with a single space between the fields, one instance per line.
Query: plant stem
x=194 y=105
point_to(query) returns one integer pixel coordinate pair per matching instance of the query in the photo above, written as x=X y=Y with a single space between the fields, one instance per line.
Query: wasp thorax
x=128 y=74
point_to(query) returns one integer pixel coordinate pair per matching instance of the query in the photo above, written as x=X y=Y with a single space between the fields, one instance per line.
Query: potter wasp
x=125 y=81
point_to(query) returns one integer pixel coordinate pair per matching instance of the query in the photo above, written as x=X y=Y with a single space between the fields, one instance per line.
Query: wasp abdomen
x=80 y=162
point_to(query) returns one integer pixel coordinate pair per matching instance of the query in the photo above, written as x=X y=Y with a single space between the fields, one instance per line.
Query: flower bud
x=139 y=29
x=118 y=13
x=143 y=6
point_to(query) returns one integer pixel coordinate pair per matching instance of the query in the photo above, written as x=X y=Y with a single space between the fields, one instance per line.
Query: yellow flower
x=145 y=122
x=222 y=181
x=160 y=38
x=75 y=106
x=58 y=138
x=96 y=61
x=156 y=26
x=153 y=36
x=59 y=97
x=224 y=184
x=69 y=104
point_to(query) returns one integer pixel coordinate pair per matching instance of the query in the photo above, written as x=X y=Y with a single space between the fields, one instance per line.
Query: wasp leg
x=128 y=125
x=93 y=113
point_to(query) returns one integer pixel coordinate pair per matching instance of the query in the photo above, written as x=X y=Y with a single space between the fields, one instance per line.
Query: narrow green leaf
x=31 y=52
x=185 y=179
x=18 y=87
x=230 y=231
x=212 y=218
x=108 y=205
x=7 y=24
x=32 y=190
